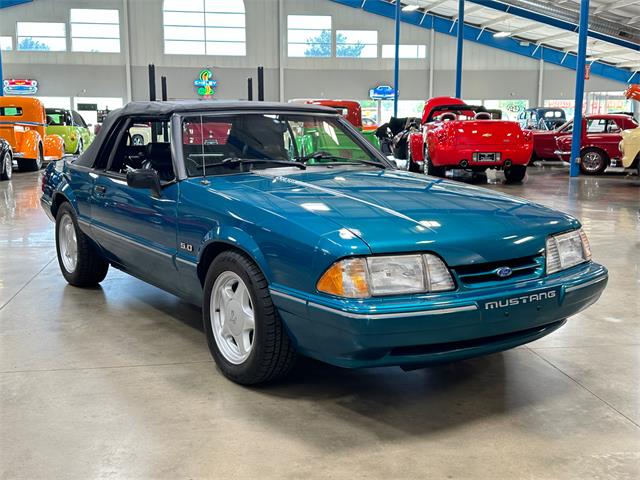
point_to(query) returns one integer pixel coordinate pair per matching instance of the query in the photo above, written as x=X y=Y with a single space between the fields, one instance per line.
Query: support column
x=574 y=170
x=459 y=50
x=396 y=66
x=283 y=44
x=432 y=50
x=1 y=75
x=127 y=50
x=540 y=83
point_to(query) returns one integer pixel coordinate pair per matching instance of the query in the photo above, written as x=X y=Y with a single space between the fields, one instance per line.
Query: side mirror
x=145 y=178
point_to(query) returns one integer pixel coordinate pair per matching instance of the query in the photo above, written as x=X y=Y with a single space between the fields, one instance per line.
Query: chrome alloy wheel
x=232 y=317
x=68 y=243
x=592 y=161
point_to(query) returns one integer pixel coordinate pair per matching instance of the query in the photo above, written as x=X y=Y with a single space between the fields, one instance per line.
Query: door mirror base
x=145 y=178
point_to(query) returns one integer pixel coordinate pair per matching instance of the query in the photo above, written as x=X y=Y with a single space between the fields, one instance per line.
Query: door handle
x=100 y=189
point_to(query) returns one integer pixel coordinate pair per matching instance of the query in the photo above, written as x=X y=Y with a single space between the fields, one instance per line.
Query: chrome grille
x=488 y=272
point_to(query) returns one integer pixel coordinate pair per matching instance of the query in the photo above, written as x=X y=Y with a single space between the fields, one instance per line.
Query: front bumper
x=427 y=329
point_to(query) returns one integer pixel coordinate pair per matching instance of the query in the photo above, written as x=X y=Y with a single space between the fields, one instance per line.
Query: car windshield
x=57 y=117
x=224 y=144
x=566 y=127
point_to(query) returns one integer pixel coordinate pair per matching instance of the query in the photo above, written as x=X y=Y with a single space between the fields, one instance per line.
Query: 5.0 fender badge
x=186 y=246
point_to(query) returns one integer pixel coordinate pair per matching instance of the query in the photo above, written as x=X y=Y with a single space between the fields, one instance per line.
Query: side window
x=10 y=111
x=613 y=127
x=146 y=144
x=78 y=120
x=596 y=125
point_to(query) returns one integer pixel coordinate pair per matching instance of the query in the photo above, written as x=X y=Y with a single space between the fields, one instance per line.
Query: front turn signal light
x=346 y=278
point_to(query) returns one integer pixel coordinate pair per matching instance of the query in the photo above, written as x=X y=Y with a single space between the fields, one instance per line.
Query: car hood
x=394 y=211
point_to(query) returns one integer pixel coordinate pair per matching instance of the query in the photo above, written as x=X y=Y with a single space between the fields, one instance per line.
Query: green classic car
x=70 y=125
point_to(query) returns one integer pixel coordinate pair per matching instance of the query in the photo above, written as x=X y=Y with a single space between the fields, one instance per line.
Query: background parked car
x=542 y=118
x=600 y=143
x=70 y=125
x=454 y=135
x=22 y=125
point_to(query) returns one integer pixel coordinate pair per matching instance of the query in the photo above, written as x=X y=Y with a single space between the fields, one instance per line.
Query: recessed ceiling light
x=410 y=8
x=501 y=34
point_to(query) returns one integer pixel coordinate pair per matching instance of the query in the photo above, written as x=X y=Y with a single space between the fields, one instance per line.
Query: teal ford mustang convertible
x=297 y=237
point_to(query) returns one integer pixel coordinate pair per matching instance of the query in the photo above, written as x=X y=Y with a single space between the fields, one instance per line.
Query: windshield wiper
x=232 y=161
x=336 y=160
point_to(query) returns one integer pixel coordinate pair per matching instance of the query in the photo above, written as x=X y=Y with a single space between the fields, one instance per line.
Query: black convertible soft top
x=166 y=109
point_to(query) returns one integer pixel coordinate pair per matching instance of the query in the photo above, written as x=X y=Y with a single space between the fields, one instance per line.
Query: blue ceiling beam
x=11 y=3
x=553 y=22
x=484 y=37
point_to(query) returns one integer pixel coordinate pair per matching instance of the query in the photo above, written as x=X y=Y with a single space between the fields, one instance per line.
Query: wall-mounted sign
x=205 y=84
x=19 y=86
x=382 y=92
x=88 y=107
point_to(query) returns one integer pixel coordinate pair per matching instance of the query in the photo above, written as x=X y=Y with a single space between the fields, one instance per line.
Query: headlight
x=388 y=275
x=566 y=250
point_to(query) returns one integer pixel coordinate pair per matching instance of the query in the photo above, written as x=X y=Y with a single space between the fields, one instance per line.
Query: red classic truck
x=454 y=135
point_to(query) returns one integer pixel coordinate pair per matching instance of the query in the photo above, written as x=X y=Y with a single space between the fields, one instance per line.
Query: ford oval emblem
x=504 y=272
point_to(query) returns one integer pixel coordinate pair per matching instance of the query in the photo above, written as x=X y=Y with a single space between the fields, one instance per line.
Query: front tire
x=593 y=161
x=81 y=263
x=244 y=332
x=6 y=166
x=31 y=164
x=515 y=173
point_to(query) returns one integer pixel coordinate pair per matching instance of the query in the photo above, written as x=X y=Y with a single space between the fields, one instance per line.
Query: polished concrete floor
x=117 y=382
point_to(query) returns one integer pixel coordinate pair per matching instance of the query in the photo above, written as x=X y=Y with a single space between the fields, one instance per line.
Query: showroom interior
x=433 y=220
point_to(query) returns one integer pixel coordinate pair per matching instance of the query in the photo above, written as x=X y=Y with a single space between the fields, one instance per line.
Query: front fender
x=630 y=146
x=53 y=147
x=239 y=239
x=29 y=145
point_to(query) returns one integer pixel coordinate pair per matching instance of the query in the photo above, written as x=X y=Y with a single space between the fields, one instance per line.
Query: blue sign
x=382 y=92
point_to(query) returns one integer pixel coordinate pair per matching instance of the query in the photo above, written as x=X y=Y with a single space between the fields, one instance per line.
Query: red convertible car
x=456 y=135
x=601 y=135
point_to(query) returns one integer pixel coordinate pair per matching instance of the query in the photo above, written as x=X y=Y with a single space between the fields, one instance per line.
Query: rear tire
x=80 y=147
x=515 y=173
x=593 y=161
x=80 y=262
x=267 y=353
x=411 y=165
x=30 y=164
x=429 y=168
x=6 y=166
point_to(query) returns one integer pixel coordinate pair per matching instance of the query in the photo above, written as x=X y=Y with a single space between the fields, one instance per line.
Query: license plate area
x=528 y=302
x=486 y=157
